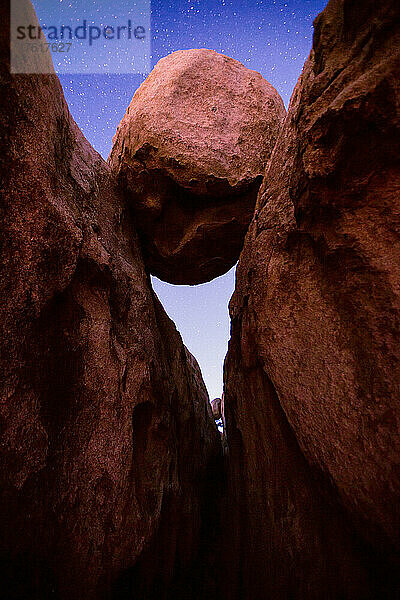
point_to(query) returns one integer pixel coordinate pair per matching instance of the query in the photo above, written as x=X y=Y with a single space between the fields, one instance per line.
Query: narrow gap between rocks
x=201 y=315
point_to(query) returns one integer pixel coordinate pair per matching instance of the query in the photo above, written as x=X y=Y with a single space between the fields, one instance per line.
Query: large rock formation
x=109 y=454
x=312 y=399
x=107 y=436
x=190 y=154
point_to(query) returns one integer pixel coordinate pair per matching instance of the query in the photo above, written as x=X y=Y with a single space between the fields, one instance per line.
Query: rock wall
x=312 y=400
x=107 y=439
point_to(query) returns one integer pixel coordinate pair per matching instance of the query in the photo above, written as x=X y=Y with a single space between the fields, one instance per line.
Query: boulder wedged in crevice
x=107 y=434
x=312 y=377
x=190 y=154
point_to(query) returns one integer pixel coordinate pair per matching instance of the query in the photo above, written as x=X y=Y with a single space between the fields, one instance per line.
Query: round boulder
x=190 y=154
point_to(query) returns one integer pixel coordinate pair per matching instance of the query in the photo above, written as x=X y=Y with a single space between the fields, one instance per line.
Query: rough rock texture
x=216 y=408
x=190 y=154
x=312 y=399
x=107 y=440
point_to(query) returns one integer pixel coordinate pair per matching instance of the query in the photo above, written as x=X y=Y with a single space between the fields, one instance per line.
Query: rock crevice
x=114 y=481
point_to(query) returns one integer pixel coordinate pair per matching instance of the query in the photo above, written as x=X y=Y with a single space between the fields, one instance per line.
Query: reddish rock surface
x=190 y=154
x=107 y=436
x=110 y=461
x=312 y=402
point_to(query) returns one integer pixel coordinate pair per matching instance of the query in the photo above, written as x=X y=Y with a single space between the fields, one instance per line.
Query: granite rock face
x=312 y=398
x=190 y=154
x=107 y=440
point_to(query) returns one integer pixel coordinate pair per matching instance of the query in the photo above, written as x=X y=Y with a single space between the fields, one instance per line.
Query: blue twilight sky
x=270 y=36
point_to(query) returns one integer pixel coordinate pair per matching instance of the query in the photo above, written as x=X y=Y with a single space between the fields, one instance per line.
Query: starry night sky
x=270 y=36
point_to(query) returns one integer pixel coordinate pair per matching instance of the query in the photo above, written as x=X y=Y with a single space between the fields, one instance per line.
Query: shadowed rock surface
x=107 y=439
x=190 y=154
x=312 y=398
